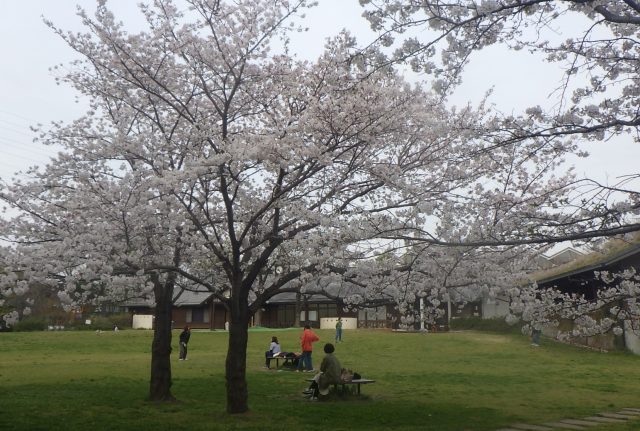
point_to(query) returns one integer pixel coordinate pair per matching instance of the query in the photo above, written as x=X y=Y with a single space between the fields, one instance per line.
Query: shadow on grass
x=120 y=404
x=364 y=413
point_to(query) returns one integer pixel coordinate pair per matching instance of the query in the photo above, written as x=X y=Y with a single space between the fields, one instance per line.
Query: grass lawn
x=444 y=381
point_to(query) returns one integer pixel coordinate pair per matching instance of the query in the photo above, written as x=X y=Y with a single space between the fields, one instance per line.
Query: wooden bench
x=284 y=360
x=356 y=382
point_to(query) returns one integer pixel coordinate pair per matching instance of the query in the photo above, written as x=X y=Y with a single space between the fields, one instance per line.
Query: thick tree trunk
x=160 y=383
x=236 y=364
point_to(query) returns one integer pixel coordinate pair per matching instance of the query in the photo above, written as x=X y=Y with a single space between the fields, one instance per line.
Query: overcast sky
x=29 y=95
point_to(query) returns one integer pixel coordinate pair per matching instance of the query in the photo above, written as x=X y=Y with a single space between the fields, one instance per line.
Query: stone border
x=622 y=416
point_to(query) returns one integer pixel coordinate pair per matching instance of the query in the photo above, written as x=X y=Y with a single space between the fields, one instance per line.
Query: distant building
x=201 y=310
x=583 y=280
x=198 y=309
x=560 y=257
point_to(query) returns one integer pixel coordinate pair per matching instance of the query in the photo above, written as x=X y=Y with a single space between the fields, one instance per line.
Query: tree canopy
x=598 y=96
x=209 y=157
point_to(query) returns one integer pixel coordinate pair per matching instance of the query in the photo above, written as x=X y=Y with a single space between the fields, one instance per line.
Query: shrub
x=488 y=325
x=102 y=323
x=30 y=324
x=106 y=323
x=122 y=320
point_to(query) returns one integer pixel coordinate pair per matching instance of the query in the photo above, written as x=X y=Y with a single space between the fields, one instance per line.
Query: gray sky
x=29 y=95
x=28 y=48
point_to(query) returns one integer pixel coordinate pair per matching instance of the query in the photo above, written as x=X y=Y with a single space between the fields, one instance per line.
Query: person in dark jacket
x=184 y=340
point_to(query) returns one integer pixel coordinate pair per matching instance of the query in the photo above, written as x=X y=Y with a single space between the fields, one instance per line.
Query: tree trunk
x=298 y=308
x=160 y=383
x=236 y=364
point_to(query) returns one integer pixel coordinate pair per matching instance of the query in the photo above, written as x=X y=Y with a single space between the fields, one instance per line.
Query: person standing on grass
x=307 y=339
x=339 y=330
x=535 y=337
x=274 y=350
x=184 y=340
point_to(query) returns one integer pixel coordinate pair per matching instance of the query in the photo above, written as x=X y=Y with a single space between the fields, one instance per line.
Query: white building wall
x=142 y=321
x=631 y=338
x=330 y=323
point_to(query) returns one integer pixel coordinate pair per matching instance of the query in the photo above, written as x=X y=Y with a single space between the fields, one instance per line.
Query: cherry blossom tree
x=90 y=233
x=205 y=157
x=209 y=158
x=598 y=98
x=422 y=280
x=612 y=309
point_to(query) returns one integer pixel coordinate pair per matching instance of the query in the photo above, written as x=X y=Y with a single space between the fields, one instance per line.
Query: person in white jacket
x=274 y=350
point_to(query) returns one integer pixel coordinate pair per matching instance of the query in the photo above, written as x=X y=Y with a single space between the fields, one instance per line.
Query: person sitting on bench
x=330 y=372
x=274 y=349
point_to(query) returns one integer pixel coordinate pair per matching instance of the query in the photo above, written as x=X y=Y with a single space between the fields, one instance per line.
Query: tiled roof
x=598 y=265
x=180 y=298
x=290 y=297
x=187 y=297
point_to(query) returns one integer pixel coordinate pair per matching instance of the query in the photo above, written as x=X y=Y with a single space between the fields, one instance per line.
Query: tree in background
x=90 y=233
x=598 y=98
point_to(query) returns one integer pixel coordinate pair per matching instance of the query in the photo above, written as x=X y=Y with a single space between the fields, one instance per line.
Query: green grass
x=445 y=381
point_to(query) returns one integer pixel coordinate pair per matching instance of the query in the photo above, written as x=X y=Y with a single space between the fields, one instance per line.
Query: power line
x=13 y=130
x=13 y=123
x=30 y=120
x=24 y=146
x=19 y=156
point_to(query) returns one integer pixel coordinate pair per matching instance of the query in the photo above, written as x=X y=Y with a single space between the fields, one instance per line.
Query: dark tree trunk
x=160 y=383
x=236 y=364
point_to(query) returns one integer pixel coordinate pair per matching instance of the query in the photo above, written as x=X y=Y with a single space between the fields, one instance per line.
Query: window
x=286 y=315
x=327 y=310
x=197 y=315
x=313 y=315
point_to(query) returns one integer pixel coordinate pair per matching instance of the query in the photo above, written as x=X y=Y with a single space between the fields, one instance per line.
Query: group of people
x=307 y=339
x=304 y=359
x=330 y=368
